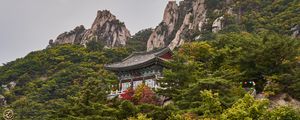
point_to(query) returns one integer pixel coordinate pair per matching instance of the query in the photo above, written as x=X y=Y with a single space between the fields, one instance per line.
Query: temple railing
x=125 y=77
x=113 y=94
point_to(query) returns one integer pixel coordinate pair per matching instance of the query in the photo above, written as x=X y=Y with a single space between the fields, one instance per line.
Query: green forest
x=204 y=80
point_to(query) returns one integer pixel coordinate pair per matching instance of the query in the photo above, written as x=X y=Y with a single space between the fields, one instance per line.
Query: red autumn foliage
x=143 y=94
x=148 y=96
x=128 y=94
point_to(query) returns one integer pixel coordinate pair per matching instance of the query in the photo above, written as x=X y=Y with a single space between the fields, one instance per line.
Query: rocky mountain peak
x=178 y=20
x=106 y=29
x=170 y=12
x=74 y=36
x=103 y=16
x=166 y=27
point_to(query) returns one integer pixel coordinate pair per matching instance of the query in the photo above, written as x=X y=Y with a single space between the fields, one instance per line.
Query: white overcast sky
x=28 y=25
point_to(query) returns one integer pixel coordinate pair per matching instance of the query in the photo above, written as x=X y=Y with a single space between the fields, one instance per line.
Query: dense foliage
x=219 y=65
x=253 y=16
x=138 y=42
x=69 y=81
x=203 y=81
x=48 y=82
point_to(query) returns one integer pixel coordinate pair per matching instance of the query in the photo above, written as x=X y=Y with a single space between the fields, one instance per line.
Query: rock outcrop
x=73 y=37
x=106 y=29
x=193 y=21
x=296 y=31
x=165 y=28
x=178 y=40
x=217 y=24
x=2 y=101
x=177 y=22
x=283 y=99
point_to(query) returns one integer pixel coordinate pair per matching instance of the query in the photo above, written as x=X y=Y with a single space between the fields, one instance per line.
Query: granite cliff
x=106 y=29
x=178 y=21
x=191 y=20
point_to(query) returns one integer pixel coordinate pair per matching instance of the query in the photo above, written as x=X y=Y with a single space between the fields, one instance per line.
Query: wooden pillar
x=120 y=85
x=131 y=82
x=120 y=81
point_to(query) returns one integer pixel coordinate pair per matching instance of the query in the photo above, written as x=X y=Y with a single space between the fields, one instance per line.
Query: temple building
x=140 y=67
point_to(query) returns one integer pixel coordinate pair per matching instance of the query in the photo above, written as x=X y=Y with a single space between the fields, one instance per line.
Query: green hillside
x=204 y=81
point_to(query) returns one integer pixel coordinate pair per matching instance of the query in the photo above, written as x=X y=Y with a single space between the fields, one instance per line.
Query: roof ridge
x=145 y=53
x=139 y=58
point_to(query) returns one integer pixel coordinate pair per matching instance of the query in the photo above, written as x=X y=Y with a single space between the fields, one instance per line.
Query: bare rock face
x=73 y=37
x=106 y=29
x=165 y=28
x=178 y=40
x=199 y=14
x=217 y=24
x=171 y=16
x=296 y=31
x=2 y=101
x=193 y=21
x=178 y=21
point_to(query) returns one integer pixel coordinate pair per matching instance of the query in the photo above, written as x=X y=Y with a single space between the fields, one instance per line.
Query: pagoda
x=140 y=67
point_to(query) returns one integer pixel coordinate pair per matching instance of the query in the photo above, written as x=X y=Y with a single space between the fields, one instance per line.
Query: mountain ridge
x=106 y=29
x=187 y=21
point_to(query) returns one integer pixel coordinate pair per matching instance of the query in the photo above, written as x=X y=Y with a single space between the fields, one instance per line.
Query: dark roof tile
x=138 y=58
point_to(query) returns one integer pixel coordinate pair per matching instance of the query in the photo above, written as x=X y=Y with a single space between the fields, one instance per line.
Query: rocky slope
x=196 y=19
x=296 y=31
x=192 y=20
x=185 y=21
x=106 y=29
x=178 y=21
x=166 y=27
x=73 y=37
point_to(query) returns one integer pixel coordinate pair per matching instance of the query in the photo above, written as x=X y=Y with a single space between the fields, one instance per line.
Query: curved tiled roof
x=138 y=59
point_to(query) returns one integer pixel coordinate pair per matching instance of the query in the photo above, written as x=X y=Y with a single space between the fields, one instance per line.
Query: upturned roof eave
x=130 y=67
x=157 y=54
x=155 y=60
